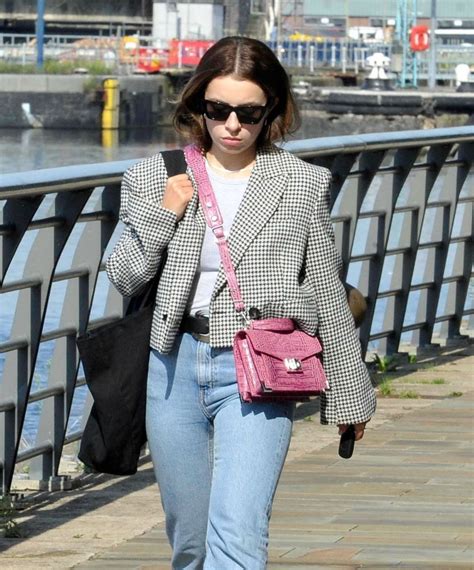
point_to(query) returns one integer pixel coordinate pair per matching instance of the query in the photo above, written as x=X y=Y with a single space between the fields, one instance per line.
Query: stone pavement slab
x=403 y=501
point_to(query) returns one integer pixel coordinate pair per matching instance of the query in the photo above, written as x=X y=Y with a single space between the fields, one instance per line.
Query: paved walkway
x=404 y=500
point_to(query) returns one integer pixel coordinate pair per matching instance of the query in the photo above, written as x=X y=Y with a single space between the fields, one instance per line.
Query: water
x=30 y=149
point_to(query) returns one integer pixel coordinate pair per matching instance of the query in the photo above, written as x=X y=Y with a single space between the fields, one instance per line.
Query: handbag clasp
x=292 y=364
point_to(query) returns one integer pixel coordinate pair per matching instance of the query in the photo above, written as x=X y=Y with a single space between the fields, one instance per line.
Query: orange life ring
x=419 y=38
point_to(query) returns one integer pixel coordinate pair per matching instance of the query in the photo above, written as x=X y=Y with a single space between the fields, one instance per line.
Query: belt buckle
x=201 y=337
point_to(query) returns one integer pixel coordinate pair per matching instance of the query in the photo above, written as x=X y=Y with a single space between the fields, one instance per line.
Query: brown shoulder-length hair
x=247 y=59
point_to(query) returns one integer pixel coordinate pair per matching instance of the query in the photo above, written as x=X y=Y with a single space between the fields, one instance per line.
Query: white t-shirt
x=229 y=193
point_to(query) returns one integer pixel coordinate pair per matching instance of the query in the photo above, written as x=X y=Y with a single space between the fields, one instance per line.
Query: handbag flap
x=294 y=344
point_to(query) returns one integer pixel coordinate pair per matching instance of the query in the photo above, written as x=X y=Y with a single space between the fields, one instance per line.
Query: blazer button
x=254 y=313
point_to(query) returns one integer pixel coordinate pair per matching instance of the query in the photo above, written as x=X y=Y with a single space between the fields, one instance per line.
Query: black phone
x=346 y=444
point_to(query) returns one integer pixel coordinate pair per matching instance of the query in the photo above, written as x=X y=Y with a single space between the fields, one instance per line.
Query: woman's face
x=231 y=135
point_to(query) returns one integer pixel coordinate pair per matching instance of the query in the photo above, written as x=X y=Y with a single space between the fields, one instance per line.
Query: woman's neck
x=231 y=165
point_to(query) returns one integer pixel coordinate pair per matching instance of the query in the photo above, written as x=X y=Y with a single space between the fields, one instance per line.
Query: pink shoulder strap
x=214 y=220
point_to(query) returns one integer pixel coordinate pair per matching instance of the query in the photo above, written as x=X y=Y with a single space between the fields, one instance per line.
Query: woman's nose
x=232 y=122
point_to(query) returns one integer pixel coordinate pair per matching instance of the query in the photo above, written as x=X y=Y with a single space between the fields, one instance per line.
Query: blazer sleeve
x=148 y=230
x=351 y=397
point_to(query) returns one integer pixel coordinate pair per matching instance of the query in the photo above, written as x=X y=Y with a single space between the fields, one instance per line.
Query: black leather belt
x=198 y=326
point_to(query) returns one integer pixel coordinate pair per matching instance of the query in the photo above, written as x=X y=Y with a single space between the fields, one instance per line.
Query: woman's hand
x=358 y=429
x=178 y=193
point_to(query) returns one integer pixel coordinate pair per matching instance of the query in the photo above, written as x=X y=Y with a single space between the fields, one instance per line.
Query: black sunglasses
x=246 y=114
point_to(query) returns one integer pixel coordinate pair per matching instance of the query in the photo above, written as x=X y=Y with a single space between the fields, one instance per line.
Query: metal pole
x=279 y=38
x=432 y=62
x=311 y=58
x=40 y=34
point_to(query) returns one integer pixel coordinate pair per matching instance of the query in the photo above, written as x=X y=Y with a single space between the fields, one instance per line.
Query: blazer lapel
x=262 y=196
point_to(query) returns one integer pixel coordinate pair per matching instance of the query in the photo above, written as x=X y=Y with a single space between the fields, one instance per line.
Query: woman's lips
x=231 y=142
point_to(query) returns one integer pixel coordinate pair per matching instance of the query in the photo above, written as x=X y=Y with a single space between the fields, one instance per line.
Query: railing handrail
x=47 y=180
x=375 y=141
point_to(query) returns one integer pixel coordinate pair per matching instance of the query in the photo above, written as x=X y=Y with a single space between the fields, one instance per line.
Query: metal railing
x=99 y=54
x=402 y=206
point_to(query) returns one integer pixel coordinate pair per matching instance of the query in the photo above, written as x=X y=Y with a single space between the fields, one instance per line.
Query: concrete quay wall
x=76 y=101
x=67 y=102
x=393 y=103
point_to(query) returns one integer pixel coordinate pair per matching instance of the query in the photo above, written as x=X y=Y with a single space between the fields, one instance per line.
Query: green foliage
x=427 y=365
x=410 y=394
x=384 y=363
x=386 y=388
x=8 y=526
x=412 y=359
x=455 y=394
x=92 y=67
x=53 y=66
x=416 y=380
x=92 y=84
x=6 y=67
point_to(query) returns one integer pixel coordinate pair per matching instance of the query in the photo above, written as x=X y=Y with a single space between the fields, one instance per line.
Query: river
x=30 y=149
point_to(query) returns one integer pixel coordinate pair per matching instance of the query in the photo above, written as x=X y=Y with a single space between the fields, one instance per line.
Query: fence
x=151 y=56
x=403 y=216
x=112 y=54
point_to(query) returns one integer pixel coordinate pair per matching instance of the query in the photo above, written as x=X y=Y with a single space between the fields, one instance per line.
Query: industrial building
x=365 y=18
x=211 y=19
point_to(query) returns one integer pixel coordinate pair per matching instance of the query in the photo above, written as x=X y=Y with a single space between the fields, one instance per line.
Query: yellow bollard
x=110 y=139
x=111 y=109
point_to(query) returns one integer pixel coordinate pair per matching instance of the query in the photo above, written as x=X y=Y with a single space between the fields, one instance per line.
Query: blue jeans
x=217 y=460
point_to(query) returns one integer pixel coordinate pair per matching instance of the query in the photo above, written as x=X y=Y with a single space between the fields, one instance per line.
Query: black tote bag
x=115 y=359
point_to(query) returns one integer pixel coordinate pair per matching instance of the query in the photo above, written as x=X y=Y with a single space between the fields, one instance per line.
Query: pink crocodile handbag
x=274 y=360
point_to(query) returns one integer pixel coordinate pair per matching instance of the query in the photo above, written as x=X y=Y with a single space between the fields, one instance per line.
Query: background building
x=198 y=20
x=78 y=17
x=126 y=17
x=212 y=19
x=324 y=17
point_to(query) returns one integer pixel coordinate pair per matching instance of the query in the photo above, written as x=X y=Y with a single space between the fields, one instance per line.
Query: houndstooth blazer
x=282 y=247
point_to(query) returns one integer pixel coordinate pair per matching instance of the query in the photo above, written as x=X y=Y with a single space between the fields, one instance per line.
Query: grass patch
x=52 y=66
x=385 y=388
x=436 y=381
x=412 y=359
x=412 y=380
x=455 y=394
x=409 y=394
x=8 y=526
x=427 y=365
x=384 y=363
x=6 y=67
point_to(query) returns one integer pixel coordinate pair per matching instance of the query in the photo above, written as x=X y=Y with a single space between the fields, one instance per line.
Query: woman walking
x=218 y=459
